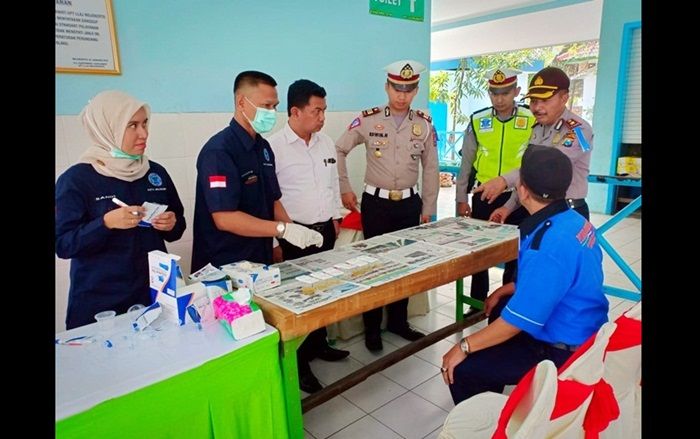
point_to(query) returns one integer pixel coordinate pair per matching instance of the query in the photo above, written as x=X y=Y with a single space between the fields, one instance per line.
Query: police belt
x=565 y=347
x=319 y=227
x=391 y=194
x=575 y=202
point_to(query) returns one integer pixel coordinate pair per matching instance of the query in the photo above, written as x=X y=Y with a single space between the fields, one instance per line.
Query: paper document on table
x=380 y=244
x=423 y=254
x=289 y=270
x=377 y=273
x=299 y=297
x=326 y=259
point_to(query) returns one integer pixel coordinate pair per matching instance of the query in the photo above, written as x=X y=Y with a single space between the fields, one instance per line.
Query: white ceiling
x=546 y=27
x=447 y=11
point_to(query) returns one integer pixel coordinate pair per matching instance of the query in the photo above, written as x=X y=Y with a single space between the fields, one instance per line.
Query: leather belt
x=575 y=202
x=391 y=194
x=319 y=227
x=566 y=347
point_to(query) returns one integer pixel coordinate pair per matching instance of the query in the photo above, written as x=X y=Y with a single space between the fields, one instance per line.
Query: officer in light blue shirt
x=558 y=301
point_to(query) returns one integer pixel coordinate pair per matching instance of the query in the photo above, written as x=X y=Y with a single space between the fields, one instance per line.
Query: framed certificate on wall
x=86 y=39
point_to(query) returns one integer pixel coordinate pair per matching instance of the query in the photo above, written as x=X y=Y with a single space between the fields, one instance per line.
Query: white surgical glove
x=301 y=236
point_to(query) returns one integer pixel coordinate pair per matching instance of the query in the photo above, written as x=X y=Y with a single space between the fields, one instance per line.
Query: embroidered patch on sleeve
x=355 y=123
x=217 y=181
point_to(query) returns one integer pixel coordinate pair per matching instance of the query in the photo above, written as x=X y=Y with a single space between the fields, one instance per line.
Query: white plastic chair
x=586 y=369
x=623 y=370
x=477 y=416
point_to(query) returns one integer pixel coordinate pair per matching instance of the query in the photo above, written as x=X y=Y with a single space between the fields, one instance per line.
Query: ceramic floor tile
x=331 y=417
x=329 y=372
x=437 y=300
x=436 y=391
x=359 y=351
x=308 y=435
x=434 y=434
x=374 y=392
x=394 y=339
x=366 y=428
x=448 y=290
x=433 y=353
x=430 y=322
x=447 y=309
x=411 y=416
x=411 y=371
x=343 y=344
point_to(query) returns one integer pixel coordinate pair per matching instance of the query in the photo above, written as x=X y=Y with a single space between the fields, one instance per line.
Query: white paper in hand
x=152 y=211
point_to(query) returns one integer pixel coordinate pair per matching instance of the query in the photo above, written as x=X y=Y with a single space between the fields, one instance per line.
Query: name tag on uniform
x=251 y=179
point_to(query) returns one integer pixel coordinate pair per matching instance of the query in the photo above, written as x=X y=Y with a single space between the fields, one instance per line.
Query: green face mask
x=118 y=153
x=264 y=119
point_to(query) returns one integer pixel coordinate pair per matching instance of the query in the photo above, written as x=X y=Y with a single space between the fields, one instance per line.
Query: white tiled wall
x=174 y=141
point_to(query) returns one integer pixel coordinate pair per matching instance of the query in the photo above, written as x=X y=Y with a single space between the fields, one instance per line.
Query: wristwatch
x=281 y=227
x=464 y=346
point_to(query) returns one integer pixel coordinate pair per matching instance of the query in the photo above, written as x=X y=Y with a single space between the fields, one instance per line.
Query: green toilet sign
x=406 y=9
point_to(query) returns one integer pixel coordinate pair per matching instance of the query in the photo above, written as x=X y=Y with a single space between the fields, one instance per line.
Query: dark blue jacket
x=109 y=268
x=234 y=173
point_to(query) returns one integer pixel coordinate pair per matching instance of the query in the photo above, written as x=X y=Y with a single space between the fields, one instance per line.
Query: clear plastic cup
x=105 y=321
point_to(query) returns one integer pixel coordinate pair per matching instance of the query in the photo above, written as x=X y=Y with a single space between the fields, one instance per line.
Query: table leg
x=461 y=300
x=292 y=395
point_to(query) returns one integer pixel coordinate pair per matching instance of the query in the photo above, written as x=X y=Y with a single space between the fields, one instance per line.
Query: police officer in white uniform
x=397 y=138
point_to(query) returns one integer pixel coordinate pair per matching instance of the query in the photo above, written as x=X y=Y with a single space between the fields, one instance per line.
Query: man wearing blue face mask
x=237 y=206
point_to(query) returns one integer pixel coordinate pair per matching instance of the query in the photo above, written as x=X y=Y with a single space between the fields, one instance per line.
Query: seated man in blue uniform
x=558 y=301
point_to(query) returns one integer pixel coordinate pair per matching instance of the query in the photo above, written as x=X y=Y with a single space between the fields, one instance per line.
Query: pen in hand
x=120 y=203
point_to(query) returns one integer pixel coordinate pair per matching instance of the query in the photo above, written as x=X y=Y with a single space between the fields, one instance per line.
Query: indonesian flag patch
x=217 y=181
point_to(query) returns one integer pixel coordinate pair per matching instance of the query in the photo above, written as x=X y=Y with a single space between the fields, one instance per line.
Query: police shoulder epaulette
x=370 y=112
x=524 y=105
x=480 y=110
x=572 y=123
x=424 y=116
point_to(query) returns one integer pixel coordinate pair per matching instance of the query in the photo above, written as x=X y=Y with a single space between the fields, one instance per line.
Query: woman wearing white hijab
x=107 y=246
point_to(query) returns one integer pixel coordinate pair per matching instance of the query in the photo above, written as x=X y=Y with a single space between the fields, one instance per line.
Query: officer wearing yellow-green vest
x=493 y=145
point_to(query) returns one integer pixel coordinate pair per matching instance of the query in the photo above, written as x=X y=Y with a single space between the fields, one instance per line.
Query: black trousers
x=483 y=210
x=316 y=340
x=381 y=216
x=491 y=369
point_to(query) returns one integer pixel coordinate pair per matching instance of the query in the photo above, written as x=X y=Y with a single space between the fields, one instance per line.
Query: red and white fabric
x=623 y=370
x=529 y=407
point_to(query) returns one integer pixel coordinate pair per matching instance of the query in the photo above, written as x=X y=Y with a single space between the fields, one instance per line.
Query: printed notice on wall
x=86 y=40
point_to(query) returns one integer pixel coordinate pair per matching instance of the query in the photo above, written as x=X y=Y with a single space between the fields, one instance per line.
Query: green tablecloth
x=238 y=395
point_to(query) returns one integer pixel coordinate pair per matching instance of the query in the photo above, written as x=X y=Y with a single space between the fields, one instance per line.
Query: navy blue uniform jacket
x=109 y=268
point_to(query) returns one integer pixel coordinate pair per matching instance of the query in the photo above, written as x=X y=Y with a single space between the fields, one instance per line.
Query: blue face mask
x=264 y=119
x=118 y=153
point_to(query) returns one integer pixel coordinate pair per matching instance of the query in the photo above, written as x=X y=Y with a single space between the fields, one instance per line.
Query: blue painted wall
x=615 y=15
x=182 y=56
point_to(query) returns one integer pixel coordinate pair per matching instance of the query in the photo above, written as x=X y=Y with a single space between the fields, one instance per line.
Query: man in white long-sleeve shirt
x=308 y=178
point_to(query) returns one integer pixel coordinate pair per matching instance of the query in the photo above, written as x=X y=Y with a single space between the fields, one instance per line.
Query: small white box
x=216 y=281
x=256 y=277
x=247 y=325
x=169 y=288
